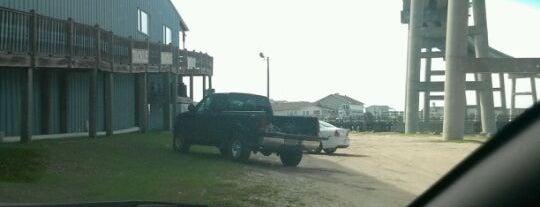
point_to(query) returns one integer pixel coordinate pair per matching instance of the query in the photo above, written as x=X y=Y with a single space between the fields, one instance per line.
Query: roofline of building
x=183 y=24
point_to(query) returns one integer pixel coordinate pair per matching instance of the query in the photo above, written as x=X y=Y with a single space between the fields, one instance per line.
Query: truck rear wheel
x=330 y=150
x=239 y=151
x=180 y=144
x=291 y=158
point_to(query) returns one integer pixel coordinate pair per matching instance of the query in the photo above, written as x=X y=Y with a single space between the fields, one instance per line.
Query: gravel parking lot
x=376 y=170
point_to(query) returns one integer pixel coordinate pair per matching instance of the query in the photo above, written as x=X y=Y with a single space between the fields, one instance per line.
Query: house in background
x=331 y=107
x=301 y=108
x=341 y=106
x=378 y=111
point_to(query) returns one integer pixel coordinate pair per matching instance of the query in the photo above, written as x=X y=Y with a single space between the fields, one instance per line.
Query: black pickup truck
x=239 y=124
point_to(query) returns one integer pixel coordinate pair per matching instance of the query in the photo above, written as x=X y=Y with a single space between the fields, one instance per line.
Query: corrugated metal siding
x=78 y=101
x=119 y=16
x=100 y=102
x=124 y=101
x=10 y=101
x=55 y=108
x=155 y=90
x=36 y=106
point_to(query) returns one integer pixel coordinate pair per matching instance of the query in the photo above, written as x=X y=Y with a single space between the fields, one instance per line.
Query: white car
x=337 y=138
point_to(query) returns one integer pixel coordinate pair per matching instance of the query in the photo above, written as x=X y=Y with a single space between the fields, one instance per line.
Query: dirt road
x=376 y=170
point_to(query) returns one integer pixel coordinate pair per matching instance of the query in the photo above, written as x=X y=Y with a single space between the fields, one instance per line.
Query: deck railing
x=28 y=39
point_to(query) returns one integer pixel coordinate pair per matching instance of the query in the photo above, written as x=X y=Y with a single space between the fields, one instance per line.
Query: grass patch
x=123 y=167
x=21 y=164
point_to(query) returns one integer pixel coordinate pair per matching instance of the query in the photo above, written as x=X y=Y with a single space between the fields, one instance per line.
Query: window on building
x=142 y=21
x=167 y=35
x=180 y=39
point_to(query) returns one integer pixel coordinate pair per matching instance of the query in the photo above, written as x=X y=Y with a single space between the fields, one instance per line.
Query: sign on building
x=166 y=58
x=191 y=63
x=139 y=56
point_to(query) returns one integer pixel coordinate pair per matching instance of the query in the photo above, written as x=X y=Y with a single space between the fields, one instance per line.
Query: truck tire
x=180 y=144
x=238 y=150
x=330 y=150
x=290 y=158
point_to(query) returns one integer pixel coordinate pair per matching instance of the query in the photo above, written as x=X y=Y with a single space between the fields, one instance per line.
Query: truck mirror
x=191 y=107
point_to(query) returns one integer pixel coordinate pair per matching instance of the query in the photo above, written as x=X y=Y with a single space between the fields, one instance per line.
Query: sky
x=316 y=48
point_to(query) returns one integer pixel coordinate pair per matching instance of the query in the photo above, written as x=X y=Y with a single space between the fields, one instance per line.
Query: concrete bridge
x=439 y=29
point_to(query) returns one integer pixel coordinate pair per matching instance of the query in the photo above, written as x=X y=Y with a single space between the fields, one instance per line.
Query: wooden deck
x=31 y=40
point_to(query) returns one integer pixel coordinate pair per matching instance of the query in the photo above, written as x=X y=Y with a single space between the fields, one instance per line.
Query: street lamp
x=267 y=73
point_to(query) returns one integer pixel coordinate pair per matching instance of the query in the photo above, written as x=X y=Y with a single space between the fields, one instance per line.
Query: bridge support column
x=413 y=66
x=456 y=55
x=481 y=45
x=427 y=98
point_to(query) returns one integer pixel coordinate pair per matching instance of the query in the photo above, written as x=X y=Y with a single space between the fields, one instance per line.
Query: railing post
x=92 y=109
x=70 y=40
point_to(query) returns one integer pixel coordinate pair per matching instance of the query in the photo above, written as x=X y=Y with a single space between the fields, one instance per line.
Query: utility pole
x=267 y=73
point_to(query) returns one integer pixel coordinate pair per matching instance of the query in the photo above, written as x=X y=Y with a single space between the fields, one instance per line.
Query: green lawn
x=122 y=167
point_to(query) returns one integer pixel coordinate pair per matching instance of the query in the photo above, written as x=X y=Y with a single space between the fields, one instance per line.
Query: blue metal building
x=61 y=74
x=119 y=16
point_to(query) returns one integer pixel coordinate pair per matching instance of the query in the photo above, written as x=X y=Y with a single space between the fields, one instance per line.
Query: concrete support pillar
x=426 y=93
x=513 y=99
x=64 y=102
x=481 y=44
x=109 y=103
x=92 y=103
x=46 y=102
x=413 y=66
x=533 y=89
x=191 y=87
x=167 y=103
x=502 y=86
x=142 y=102
x=26 y=105
x=456 y=56
x=204 y=85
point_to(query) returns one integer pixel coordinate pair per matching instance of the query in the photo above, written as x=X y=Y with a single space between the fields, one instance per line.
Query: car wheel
x=330 y=150
x=180 y=144
x=290 y=158
x=238 y=150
